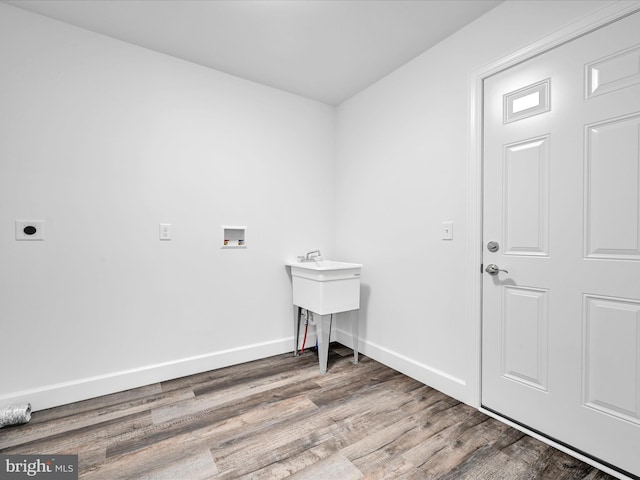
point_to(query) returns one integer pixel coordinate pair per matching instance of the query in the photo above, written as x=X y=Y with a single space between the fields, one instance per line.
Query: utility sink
x=326 y=286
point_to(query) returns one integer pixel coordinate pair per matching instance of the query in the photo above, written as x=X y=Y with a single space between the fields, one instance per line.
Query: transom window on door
x=528 y=101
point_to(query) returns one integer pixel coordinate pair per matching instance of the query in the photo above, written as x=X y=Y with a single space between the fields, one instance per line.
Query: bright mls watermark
x=45 y=467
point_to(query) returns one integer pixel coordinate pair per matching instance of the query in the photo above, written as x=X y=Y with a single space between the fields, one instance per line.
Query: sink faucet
x=310 y=256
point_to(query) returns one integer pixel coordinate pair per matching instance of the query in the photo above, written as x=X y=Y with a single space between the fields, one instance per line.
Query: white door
x=561 y=328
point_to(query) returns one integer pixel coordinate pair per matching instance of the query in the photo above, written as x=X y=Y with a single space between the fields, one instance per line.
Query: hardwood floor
x=280 y=418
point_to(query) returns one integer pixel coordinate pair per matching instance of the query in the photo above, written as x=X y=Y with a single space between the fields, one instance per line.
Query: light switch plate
x=29 y=229
x=447 y=230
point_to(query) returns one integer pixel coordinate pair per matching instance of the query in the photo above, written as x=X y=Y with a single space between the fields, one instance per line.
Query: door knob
x=493 y=269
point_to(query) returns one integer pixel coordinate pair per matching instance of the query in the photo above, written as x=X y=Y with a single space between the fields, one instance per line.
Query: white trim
x=58 y=394
x=590 y=22
x=446 y=383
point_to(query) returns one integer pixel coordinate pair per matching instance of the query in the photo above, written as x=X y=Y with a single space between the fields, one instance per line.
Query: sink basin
x=326 y=287
x=324 y=265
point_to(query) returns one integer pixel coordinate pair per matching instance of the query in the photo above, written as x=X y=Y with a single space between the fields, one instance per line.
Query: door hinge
x=481 y=267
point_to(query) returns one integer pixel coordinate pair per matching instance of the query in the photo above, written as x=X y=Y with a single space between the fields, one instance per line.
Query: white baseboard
x=48 y=396
x=58 y=394
x=442 y=381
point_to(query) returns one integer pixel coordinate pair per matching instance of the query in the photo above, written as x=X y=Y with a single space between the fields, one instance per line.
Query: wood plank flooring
x=280 y=418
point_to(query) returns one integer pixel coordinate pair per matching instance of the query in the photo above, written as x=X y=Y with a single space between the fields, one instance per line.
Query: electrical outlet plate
x=29 y=229
x=165 y=231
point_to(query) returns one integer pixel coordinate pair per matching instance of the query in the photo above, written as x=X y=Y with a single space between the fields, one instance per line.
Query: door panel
x=618 y=70
x=613 y=189
x=612 y=326
x=526 y=197
x=524 y=332
x=561 y=322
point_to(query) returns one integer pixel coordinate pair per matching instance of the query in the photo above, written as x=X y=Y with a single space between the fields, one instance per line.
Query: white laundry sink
x=326 y=286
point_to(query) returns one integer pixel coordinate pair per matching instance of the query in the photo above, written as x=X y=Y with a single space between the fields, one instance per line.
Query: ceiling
x=327 y=50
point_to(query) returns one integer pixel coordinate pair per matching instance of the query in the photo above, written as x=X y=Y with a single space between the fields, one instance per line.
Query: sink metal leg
x=323 y=328
x=324 y=334
x=354 y=332
x=297 y=317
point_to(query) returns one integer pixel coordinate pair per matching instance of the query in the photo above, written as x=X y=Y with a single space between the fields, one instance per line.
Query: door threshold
x=562 y=446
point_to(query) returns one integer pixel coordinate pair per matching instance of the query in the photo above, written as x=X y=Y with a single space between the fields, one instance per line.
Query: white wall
x=402 y=159
x=104 y=140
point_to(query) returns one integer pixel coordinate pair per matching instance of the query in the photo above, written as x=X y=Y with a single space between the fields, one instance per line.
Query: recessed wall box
x=234 y=237
x=29 y=229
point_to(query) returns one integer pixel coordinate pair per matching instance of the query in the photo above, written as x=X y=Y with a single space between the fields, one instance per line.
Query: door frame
x=592 y=21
